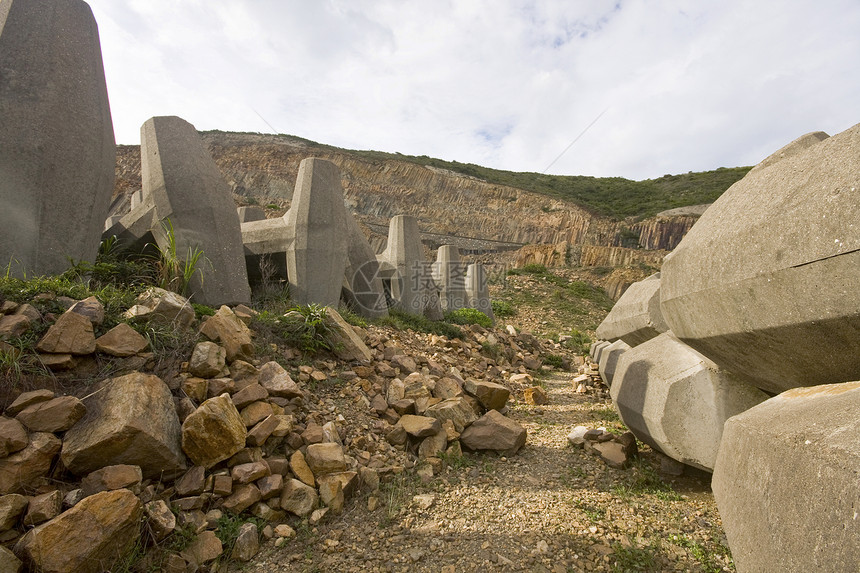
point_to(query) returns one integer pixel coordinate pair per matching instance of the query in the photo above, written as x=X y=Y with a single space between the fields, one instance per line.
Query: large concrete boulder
x=765 y=282
x=88 y=538
x=478 y=290
x=450 y=276
x=316 y=234
x=130 y=420
x=609 y=360
x=186 y=187
x=365 y=292
x=676 y=400
x=636 y=317
x=785 y=481
x=410 y=276
x=57 y=149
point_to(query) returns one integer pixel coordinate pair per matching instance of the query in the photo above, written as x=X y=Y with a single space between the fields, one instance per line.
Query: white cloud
x=507 y=84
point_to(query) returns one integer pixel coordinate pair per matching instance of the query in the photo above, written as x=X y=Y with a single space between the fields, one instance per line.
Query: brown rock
x=196 y=388
x=301 y=469
x=243 y=497
x=331 y=494
x=8 y=562
x=243 y=373
x=192 y=482
x=22 y=468
x=43 y=508
x=110 y=478
x=56 y=415
x=419 y=426
x=491 y=395
x=255 y=412
x=91 y=309
x=12 y=506
x=612 y=454
x=206 y=547
x=59 y=362
x=28 y=399
x=207 y=360
x=250 y=393
x=271 y=485
x=432 y=446
x=71 y=334
x=494 y=432
x=447 y=388
x=121 y=340
x=13 y=436
x=14 y=325
x=214 y=432
x=163 y=307
x=325 y=458
x=405 y=363
x=88 y=538
x=346 y=344
x=246 y=473
x=161 y=521
x=298 y=498
x=29 y=311
x=247 y=543
x=277 y=381
x=129 y=420
x=457 y=410
x=536 y=396
x=222 y=485
x=218 y=386
x=313 y=434
x=258 y=435
x=226 y=328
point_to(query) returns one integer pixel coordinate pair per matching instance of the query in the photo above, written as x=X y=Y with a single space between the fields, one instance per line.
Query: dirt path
x=550 y=508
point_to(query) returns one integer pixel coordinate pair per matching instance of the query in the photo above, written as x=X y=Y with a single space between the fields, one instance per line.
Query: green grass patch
x=405 y=321
x=633 y=559
x=468 y=316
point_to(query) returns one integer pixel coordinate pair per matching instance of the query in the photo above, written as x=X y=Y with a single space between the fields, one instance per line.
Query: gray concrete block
x=786 y=481
x=410 y=276
x=450 y=276
x=478 y=290
x=317 y=236
x=636 y=317
x=676 y=400
x=765 y=283
x=365 y=292
x=250 y=213
x=598 y=349
x=185 y=186
x=57 y=149
x=609 y=360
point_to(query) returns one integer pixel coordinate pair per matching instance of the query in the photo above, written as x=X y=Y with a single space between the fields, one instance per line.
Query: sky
x=628 y=88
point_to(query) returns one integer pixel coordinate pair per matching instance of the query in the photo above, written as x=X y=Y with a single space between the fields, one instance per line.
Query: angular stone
x=28 y=399
x=207 y=360
x=277 y=381
x=121 y=340
x=206 y=547
x=226 y=328
x=396 y=391
x=316 y=221
x=52 y=215
x=184 y=185
x=331 y=495
x=750 y=288
x=88 y=538
x=243 y=497
x=13 y=436
x=478 y=290
x=222 y=485
x=457 y=410
x=255 y=412
x=196 y=389
x=419 y=426
x=405 y=363
x=159 y=518
x=90 y=308
x=14 y=326
x=20 y=469
x=345 y=342
x=447 y=388
x=432 y=446
x=612 y=454
x=609 y=360
x=56 y=415
x=246 y=473
x=258 y=435
x=636 y=316
x=248 y=395
x=301 y=469
x=110 y=478
x=12 y=507
x=247 y=543
x=325 y=458
x=366 y=293
x=298 y=498
x=409 y=275
x=44 y=507
x=785 y=481
x=71 y=334
x=331 y=434
x=270 y=486
x=494 y=432
x=492 y=396
x=192 y=482
x=218 y=386
x=8 y=562
x=676 y=400
x=213 y=432
x=129 y=420
x=163 y=307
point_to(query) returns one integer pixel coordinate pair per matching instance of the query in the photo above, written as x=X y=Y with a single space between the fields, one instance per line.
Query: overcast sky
x=665 y=86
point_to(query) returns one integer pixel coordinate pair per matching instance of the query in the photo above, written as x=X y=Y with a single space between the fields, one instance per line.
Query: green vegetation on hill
x=614 y=197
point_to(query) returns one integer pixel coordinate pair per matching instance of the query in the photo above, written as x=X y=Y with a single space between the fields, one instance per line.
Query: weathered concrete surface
x=766 y=282
x=365 y=292
x=609 y=360
x=450 y=276
x=478 y=290
x=786 y=485
x=185 y=186
x=265 y=243
x=797 y=146
x=412 y=286
x=676 y=400
x=636 y=317
x=597 y=349
x=57 y=150
x=316 y=232
x=250 y=213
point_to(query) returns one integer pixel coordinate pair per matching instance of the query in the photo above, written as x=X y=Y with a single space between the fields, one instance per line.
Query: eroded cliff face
x=263 y=168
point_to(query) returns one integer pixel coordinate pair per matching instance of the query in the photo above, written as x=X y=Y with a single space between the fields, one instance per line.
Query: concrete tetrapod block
x=250 y=213
x=57 y=149
x=609 y=360
x=676 y=400
x=598 y=349
x=786 y=484
x=316 y=232
x=365 y=292
x=450 y=276
x=266 y=243
x=412 y=286
x=478 y=290
x=180 y=178
x=636 y=317
x=773 y=265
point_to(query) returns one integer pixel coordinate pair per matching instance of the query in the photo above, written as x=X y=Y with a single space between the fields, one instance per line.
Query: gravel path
x=550 y=508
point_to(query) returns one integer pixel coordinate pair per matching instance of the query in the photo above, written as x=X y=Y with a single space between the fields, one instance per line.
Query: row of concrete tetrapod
x=741 y=357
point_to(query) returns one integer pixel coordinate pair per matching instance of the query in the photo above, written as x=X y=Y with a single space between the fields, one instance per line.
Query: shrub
x=502 y=308
x=468 y=316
